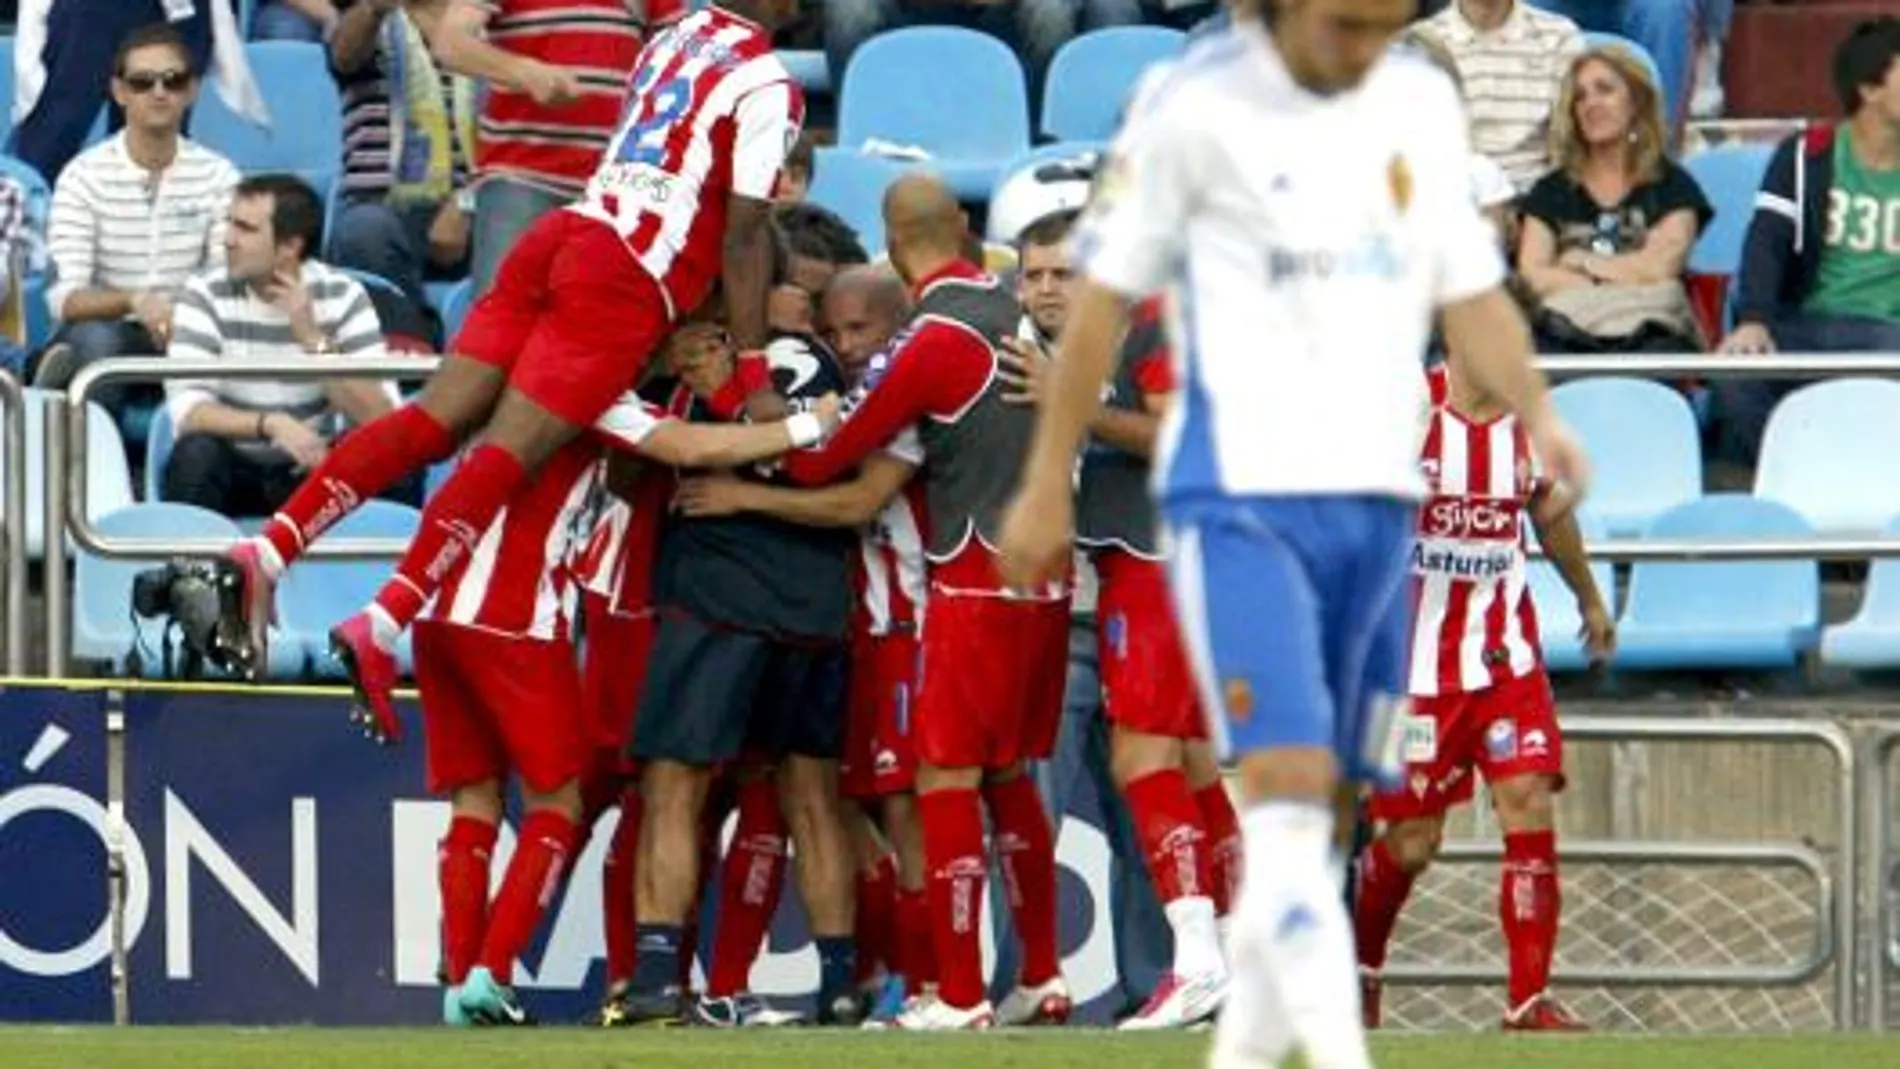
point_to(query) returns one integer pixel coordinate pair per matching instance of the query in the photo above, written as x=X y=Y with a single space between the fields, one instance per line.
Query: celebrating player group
x=826 y=581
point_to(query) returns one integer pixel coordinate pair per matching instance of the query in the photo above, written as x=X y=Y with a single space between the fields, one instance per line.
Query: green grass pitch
x=566 y=1048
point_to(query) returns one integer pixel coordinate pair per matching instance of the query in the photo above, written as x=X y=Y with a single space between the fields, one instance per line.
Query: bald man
x=990 y=689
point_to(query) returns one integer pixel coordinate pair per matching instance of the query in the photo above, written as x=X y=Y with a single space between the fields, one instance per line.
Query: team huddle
x=827 y=582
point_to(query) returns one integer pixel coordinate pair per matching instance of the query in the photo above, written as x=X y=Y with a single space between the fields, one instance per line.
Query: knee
x=94 y=339
x=1415 y=843
x=1524 y=803
x=366 y=235
x=194 y=460
x=1045 y=26
x=565 y=800
x=477 y=801
x=1299 y=774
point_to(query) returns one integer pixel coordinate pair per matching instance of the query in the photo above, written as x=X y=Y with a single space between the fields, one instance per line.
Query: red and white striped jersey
x=520 y=578
x=891 y=570
x=710 y=113
x=1474 y=625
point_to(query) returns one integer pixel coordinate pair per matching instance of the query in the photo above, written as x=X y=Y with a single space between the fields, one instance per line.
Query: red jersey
x=1474 y=625
x=891 y=565
x=710 y=114
x=556 y=147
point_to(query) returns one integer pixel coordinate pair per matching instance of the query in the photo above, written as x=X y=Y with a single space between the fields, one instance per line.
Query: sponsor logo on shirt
x=1372 y=256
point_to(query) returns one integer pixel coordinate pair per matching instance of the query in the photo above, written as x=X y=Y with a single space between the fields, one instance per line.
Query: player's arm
x=632 y=426
x=765 y=123
x=851 y=503
x=1562 y=540
x=457 y=32
x=940 y=369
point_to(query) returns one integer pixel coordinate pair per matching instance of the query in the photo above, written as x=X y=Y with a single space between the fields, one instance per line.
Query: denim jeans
x=1739 y=408
x=388 y=241
x=93 y=340
x=504 y=210
x=278 y=21
x=1033 y=28
x=1670 y=29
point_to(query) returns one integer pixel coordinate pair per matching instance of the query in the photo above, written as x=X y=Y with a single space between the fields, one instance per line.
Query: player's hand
x=710 y=495
x=789 y=309
x=830 y=411
x=297 y=438
x=1598 y=633
x=1566 y=465
x=1025 y=368
x=1038 y=529
x=547 y=85
x=1751 y=338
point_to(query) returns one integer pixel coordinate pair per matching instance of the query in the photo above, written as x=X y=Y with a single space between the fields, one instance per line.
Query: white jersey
x=1305 y=241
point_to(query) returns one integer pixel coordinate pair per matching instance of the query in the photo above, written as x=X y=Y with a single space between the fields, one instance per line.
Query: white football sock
x=1296 y=917
x=383 y=628
x=268 y=559
x=1252 y=1030
x=1197 y=945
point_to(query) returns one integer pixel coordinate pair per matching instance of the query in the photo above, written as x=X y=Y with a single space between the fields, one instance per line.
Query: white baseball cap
x=1048 y=183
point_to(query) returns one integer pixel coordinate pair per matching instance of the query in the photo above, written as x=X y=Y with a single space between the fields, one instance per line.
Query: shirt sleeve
x=627 y=423
x=358 y=332
x=766 y=124
x=1464 y=245
x=224 y=183
x=72 y=238
x=197 y=334
x=1132 y=230
x=1678 y=190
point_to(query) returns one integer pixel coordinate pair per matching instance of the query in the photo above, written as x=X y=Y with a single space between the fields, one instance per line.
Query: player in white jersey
x=1303 y=198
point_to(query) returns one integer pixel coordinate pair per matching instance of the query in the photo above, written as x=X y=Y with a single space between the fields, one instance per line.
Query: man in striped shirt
x=133 y=217
x=1512 y=58
x=244 y=444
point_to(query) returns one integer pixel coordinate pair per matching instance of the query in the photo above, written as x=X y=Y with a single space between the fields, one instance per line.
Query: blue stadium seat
x=6 y=90
x=1825 y=454
x=1091 y=77
x=372 y=280
x=1730 y=176
x=159 y=437
x=108 y=478
x=454 y=306
x=305 y=137
x=1644 y=444
x=853 y=185
x=102 y=589
x=808 y=68
x=1728 y=614
x=1602 y=39
x=1872 y=638
x=1558 y=620
x=971 y=114
x=317 y=594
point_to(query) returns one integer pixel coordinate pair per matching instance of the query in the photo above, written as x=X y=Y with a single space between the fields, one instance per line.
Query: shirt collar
x=959 y=269
x=1514 y=24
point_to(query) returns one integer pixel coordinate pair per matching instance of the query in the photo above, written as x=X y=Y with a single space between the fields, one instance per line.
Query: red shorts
x=494 y=703
x=879 y=756
x=989 y=692
x=572 y=318
x=613 y=672
x=1504 y=731
x=1146 y=682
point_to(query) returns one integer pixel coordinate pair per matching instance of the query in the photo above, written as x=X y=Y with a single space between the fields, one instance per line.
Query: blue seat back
x=1557 y=615
x=1643 y=442
x=972 y=106
x=1092 y=76
x=158 y=451
x=102 y=589
x=305 y=136
x=317 y=594
x=1826 y=451
x=1718 y=594
x=808 y=68
x=454 y=308
x=108 y=476
x=853 y=185
x=6 y=90
x=1730 y=177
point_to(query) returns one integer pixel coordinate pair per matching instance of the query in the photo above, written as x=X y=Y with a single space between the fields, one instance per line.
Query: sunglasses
x=142 y=82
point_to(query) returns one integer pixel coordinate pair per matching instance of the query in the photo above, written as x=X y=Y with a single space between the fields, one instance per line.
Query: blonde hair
x=1647 y=143
x=1433 y=51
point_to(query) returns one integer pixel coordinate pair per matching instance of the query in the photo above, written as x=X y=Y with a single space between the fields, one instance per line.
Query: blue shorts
x=1296 y=620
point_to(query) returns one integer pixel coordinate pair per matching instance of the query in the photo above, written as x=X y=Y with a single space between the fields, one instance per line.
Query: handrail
x=13 y=519
x=1882 y=860
x=1724 y=365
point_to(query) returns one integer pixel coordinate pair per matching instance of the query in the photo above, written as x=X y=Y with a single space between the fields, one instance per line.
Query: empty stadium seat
x=305 y=136
x=1604 y=39
x=1826 y=454
x=1091 y=77
x=108 y=479
x=1727 y=614
x=1558 y=620
x=317 y=594
x=1643 y=443
x=852 y=185
x=1730 y=176
x=103 y=629
x=808 y=68
x=970 y=113
x=1872 y=638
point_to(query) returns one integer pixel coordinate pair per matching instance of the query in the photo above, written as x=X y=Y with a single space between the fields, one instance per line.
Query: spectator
x=408 y=135
x=1669 y=30
x=69 y=50
x=243 y=444
x=1606 y=233
x=1033 y=28
x=294 y=20
x=1491 y=188
x=817 y=245
x=18 y=246
x=1821 y=263
x=794 y=180
x=1511 y=57
x=133 y=218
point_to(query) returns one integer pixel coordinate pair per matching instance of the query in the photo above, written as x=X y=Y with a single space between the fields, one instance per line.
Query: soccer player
x=1303 y=198
x=681 y=197
x=501 y=693
x=1481 y=698
x=990 y=688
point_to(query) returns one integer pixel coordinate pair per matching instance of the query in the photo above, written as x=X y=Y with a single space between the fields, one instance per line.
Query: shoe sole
x=362 y=713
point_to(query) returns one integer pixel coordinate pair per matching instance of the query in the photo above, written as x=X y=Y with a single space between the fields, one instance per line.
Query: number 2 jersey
x=711 y=113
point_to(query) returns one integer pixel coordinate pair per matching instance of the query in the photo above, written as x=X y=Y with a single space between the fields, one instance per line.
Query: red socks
x=360 y=465
x=955 y=867
x=1168 y=823
x=750 y=881
x=1382 y=891
x=461 y=872
x=534 y=875
x=1528 y=905
x=877 y=919
x=618 y=915
x=916 y=957
x=1223 y=844
x=1026 y=847
x=453 y=521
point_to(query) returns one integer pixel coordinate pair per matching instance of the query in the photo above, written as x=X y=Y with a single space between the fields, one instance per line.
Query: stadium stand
x=306 y=110
x=1827 y=452
x=1091 y=76
x=1642 y=438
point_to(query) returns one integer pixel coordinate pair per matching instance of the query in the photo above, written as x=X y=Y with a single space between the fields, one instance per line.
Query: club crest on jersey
x=1398 y=181
x=1500 y=740
x=1237 y=696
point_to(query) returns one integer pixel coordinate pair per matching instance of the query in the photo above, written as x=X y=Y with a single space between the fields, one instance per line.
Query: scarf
x=429 y=129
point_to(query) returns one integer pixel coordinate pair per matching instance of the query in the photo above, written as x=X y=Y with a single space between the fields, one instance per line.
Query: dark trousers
x=214 y=473
x=82 y=37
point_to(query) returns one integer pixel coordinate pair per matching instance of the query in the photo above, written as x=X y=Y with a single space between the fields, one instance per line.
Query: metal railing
x=1837 y=935
x=13 y=519
x=1883 y=883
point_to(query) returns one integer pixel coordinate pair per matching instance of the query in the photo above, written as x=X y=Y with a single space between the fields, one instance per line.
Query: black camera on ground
x=202 y=602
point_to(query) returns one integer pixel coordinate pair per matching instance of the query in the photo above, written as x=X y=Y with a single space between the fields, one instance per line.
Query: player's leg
x=612 y=672
x=875 y=863
x=1222 y=824
x=915 y=950
x=751 y=879
x=895 y=788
